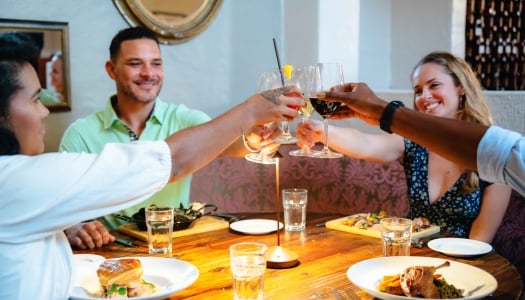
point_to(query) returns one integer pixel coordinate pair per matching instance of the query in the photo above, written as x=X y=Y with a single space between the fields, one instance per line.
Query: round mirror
x=173 y=21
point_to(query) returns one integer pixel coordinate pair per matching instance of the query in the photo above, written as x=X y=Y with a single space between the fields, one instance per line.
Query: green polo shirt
x=90 y=134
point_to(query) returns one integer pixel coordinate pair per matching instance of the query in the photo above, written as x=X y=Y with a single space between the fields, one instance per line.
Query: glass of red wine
x=331 y=74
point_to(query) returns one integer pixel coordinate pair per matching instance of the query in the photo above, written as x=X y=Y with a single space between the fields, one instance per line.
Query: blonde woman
x=442 y=191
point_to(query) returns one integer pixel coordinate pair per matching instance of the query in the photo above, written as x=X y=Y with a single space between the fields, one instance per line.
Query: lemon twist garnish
x=287 y=70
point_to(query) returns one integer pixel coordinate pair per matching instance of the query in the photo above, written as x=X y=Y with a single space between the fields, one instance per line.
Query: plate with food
x=416 y=277
x=459 y=247
x=368 y=224
x=255 y=226
x=140 y=278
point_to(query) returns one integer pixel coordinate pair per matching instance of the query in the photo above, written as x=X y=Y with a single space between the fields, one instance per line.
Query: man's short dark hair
x=131 y=33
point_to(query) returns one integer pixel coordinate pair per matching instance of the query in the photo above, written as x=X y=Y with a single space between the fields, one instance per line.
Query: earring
x=462 y=99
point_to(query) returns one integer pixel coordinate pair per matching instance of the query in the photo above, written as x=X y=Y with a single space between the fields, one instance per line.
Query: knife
x=125 y=242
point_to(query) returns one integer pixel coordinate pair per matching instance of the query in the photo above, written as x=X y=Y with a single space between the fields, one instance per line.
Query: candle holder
x=278 y=257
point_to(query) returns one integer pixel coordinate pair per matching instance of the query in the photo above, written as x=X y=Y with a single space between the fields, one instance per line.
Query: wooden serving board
x=204 y=224
x=338 y=224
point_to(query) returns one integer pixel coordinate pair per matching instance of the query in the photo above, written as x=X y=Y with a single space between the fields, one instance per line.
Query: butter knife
x=125 y=242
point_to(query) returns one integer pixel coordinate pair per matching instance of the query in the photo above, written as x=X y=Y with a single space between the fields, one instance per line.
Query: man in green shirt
x=136 y=113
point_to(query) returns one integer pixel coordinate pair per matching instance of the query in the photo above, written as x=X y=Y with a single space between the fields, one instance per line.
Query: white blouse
x=42 y=195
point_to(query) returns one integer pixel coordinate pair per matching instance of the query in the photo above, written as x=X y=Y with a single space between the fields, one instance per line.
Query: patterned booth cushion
x=510 y=237
x=343 y=185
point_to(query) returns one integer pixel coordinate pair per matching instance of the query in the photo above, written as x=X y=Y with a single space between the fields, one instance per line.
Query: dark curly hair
x=16 y=50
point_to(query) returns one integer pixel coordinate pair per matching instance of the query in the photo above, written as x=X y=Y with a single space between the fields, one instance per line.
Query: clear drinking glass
x=266 y=81
x=159 y=222
x=331 y=75
x=288 y=79
x=310 y=83
x=248 y=264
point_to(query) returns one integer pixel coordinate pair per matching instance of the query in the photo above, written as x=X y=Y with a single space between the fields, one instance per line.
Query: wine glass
x=266 y=81
x=291 y=76
x=331 y=75
x=310 y=83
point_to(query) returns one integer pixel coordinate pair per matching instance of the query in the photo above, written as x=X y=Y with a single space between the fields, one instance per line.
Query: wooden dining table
x=324 y=257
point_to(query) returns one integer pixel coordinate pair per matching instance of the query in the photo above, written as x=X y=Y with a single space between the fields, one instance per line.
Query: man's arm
x=453 y=139
x=501 y=152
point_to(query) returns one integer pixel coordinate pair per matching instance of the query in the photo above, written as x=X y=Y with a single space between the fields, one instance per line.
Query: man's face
x=137 y=70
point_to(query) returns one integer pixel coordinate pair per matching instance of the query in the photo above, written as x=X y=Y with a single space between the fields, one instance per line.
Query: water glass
x=294 y=204
x=248 y=264
x=396 y=236
x=159 y=221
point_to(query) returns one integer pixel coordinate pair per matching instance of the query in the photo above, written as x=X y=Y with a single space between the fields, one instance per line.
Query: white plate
x=88 y=258
x=256 y=226
x=168 y=274
x=459 y=247
x=368 y=274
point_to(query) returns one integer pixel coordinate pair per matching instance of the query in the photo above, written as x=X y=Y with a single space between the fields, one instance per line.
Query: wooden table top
x=324 y=254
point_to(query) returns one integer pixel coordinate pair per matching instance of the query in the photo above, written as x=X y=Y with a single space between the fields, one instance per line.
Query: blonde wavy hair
x=472 y=105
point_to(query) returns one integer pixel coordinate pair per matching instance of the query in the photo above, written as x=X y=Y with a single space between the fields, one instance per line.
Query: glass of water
x=159 y=222
x=294 y=205
x=248 y=264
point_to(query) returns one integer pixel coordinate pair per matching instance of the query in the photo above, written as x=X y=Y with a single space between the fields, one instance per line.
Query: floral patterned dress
x=454 y=212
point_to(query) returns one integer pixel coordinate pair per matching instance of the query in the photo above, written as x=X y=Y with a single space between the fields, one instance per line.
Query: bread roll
x=122 y=278
x=120 y=271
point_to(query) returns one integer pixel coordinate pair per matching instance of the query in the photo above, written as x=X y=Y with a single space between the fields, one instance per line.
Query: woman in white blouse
x=42 y=194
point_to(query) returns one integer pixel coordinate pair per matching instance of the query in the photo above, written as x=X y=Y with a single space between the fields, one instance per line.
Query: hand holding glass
x=266 y=81
x=309 y=81
x=331 y=75
x=295 y=78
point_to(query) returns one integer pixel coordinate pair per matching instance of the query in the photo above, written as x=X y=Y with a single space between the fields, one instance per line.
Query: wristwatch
x=388 y=113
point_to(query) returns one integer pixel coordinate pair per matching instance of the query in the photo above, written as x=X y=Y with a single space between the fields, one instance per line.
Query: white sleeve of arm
x=501 y=158
x=62 y=189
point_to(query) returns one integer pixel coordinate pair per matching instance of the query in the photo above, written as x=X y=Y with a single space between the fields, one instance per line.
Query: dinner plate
x=168 y=274
x=367 y=275
x=256 y=226
x=459 y=247
x=89 y=258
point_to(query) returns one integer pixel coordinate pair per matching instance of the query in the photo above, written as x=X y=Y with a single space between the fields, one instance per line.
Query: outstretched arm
x=453 y=139
x=194 y=147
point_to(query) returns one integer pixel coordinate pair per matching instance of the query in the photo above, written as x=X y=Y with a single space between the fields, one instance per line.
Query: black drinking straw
x=278 y=61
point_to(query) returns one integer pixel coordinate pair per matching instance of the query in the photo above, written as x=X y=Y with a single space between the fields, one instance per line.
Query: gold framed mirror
x=52 y=40
x=174 y=21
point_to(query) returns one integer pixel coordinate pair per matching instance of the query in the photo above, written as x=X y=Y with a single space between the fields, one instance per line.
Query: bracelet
x=245 y=142
x=388 y=113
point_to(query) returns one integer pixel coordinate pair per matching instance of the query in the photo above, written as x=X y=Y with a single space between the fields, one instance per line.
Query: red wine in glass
x=324 y=108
